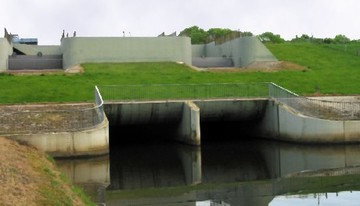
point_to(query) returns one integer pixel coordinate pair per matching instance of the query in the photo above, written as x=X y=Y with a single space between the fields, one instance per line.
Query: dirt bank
x=29 y=177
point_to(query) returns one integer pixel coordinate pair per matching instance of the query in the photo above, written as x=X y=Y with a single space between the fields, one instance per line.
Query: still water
x=248 y=172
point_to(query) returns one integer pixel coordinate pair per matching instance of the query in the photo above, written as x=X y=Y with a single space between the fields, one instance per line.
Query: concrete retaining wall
x=66 y=144
x=5 y=51
x=281 y=123
x=198 y=50
x=243 y=51
x=35 y=49
x=77 y=50
x=20 y=62
x=134 y=113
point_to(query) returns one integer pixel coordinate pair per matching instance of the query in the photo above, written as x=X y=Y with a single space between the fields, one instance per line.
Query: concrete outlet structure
x=263 y=117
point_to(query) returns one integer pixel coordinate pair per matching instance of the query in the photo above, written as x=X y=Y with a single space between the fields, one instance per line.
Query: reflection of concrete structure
x=236 y=164
x=92 y=174
x=77 y=50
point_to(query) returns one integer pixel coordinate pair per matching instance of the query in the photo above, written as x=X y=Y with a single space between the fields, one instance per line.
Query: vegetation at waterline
x=328 y=70
x=284 y=186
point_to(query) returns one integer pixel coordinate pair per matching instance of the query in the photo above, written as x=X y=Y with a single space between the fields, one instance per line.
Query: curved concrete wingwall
x=77 y=50
x=280 y=122
x=89 y=142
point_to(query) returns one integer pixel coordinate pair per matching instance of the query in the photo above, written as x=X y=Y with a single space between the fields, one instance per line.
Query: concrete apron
x=88 y=142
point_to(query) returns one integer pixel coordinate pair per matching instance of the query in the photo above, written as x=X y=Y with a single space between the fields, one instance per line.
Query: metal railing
x=310 y=107
x=32 y=119
x=182 y=91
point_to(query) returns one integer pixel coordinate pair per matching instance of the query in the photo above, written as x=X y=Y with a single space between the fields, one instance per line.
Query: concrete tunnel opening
x=210 y=132
x=218 y=120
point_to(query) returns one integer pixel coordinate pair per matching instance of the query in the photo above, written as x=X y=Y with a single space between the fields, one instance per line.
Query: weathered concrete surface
x=225 y=110
x=282 y=123
x=35 y=49
x=77 y=50
x=5 y=51
x=243 y=51
x=189 y=127
x=127 y=113
x=66 y=144
x=272 y=120
x=132 y=113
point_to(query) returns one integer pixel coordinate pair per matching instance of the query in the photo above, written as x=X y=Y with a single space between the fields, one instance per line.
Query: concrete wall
x=69 y=144
x=35 y=49
x=132 y=113
x=18 y=62
x=5 y=51
x=281 y=123
x=77 y=50
x=198 y=50
x=243 y=51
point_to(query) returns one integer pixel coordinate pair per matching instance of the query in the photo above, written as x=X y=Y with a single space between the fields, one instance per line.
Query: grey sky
x=45 y=19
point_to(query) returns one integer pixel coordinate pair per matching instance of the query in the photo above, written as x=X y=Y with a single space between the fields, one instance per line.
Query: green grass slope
x=330 y=70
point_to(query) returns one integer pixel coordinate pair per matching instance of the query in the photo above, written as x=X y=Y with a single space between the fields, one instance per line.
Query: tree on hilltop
x=270 y=37
x=197 y=35
x=342 y=39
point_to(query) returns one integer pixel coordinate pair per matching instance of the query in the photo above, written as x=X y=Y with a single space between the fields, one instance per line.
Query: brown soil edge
x=29 y=177
x=77 y=69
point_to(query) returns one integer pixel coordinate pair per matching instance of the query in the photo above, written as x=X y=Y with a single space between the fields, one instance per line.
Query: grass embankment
x=29 y=177
x=329 y=71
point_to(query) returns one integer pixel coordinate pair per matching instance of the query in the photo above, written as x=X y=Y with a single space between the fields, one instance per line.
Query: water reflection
x=91 y=174
x=327 y=199
x=246 y=172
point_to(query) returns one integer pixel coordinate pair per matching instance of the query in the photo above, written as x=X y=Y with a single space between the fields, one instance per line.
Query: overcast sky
x=45 y=19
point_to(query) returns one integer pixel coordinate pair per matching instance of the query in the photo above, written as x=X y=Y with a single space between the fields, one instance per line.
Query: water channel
x=222 y=172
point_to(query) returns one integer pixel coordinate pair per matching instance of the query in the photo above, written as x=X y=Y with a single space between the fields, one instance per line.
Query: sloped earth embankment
x=29 y=177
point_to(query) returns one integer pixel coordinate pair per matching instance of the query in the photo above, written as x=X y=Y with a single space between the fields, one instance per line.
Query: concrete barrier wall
x=281 y=123
x=77 y=50
x=243 y=51
x=5 y=51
